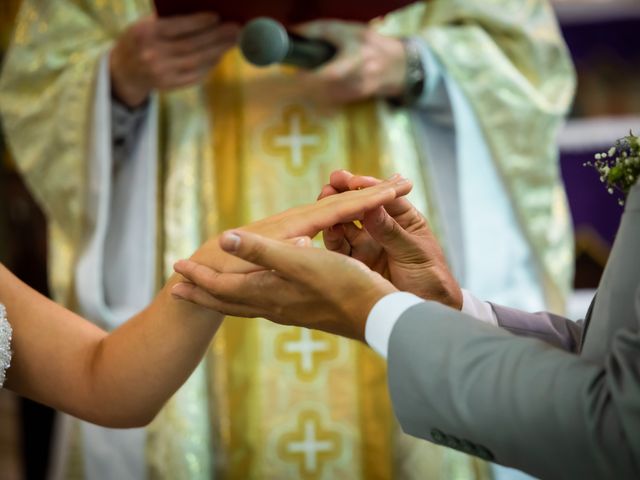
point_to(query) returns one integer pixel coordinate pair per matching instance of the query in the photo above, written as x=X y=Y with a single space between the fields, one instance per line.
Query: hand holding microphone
x=265 y=41
x=346 y=61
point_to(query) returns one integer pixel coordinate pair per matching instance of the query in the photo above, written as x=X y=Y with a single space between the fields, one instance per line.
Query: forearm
x=141 y=364
x=118 y=380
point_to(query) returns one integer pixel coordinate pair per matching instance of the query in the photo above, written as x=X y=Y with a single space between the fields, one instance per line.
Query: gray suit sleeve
x=517 y=401
x=553 y=329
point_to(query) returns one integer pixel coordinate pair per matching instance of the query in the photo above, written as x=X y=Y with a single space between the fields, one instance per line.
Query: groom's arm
x=553 y=329
x=517 y=401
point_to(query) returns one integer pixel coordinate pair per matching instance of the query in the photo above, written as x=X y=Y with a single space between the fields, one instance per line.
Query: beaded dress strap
x=5 y=344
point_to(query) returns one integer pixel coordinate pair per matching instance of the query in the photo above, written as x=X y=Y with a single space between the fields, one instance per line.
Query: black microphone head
x=264 y=41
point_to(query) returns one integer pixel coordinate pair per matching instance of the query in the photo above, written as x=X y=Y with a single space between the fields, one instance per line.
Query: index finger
x=184 y=25
x=333 y=31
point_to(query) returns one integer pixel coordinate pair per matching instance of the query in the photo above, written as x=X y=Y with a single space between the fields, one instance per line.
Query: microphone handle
x=307 y=52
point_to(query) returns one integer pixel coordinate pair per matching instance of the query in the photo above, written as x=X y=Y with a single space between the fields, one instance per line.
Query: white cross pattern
x=310 y=447
x=306 y=347
x=296 y=140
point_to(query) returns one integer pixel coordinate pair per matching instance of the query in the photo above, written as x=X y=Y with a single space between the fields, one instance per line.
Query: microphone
x=264 y=41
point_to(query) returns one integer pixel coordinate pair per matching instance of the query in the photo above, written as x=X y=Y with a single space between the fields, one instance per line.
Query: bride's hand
x=307 y=221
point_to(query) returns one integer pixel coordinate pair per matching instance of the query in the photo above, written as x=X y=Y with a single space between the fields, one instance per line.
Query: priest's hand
x=396 y=242
x=301 y=286
x=167 y=53
x=367 y=63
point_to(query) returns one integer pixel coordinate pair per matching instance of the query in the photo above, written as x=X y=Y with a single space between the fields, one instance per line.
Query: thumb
x=268 y=253
x=383 y=228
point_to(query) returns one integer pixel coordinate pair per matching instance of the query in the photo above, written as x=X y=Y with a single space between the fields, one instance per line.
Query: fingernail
x=380 y=216
x=178 y=263
x=401 y=181
x=175 y=291
x=230 y=242
x=393 y=177
x=301 y=242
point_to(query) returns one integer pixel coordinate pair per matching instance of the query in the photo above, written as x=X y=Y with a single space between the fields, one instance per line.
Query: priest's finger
x=184 y=25
x=224 y=34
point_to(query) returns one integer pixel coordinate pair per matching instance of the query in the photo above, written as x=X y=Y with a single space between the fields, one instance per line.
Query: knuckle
x=207 y=278
x=148 y=56
x=333 y=75
x=190 y=63
x=362 y=34
x=254 y=252
x=157 y=70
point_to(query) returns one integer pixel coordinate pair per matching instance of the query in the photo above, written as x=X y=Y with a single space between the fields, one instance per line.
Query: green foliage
x=619 y=168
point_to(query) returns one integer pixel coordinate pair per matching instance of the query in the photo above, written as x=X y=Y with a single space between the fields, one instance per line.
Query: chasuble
x=272 y=401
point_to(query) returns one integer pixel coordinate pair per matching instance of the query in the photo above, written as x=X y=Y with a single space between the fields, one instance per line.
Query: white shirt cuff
x=386 y=312
x=478 y=309
x=383 y=317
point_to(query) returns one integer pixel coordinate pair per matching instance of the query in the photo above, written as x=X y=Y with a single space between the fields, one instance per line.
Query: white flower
x=612 y=152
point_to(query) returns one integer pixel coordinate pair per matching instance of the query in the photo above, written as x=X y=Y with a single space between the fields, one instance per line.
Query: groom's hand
x=396 y=242
x=301 y=286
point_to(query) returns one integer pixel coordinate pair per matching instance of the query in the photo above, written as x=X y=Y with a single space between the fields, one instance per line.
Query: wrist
x=394 y=81
x=365 y=306
x=413 y=79
x=124 y=85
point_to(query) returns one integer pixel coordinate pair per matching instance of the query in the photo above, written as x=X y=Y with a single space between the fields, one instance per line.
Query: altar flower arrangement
x=619 y=167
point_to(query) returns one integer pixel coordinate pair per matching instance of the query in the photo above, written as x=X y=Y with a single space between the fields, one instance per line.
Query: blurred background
x=603 y=38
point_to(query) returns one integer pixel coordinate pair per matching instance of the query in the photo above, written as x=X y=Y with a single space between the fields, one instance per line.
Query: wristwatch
x=415 y=77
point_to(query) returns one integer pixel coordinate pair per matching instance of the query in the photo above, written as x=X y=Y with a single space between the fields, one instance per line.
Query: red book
x=288 y=12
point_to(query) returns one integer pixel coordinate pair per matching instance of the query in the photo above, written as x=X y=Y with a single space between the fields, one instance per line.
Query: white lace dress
x=5 y=344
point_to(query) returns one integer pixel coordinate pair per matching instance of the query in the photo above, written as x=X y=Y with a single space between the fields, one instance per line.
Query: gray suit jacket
x=559 y=400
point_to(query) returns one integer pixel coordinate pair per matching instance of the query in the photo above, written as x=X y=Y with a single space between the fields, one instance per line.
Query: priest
x=141 y=136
